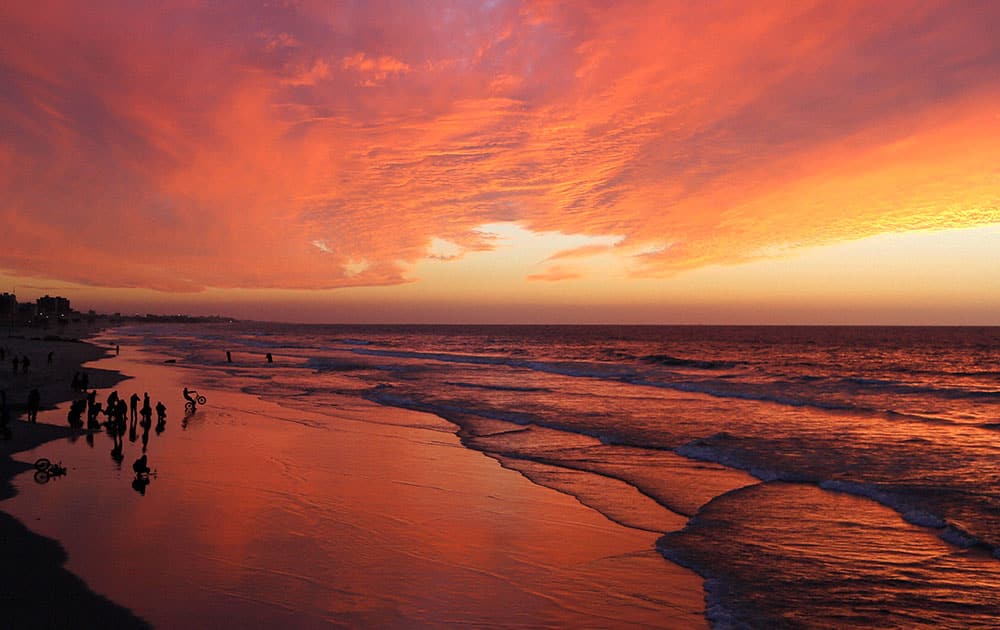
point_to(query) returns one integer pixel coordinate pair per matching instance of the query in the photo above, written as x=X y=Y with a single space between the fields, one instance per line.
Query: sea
x=814 y=477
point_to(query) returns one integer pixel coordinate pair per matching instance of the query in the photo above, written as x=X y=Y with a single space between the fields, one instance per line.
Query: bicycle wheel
x=42 y=463
x=202 y=400
x=41 y=476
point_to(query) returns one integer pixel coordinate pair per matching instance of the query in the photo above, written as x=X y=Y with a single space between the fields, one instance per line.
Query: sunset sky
x=660 y=162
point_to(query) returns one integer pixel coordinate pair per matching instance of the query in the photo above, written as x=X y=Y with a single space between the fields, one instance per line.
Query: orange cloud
x=181 y=147
x=373 y=70
x=581 y=252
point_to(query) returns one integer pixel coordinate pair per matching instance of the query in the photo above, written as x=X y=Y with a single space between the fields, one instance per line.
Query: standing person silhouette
x=134 y=406
x=34 y=399
x=147 y=410
x=111 y=406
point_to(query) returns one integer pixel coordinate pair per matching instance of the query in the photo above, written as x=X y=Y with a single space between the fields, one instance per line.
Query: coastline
x=39 y=592
x=267 y=515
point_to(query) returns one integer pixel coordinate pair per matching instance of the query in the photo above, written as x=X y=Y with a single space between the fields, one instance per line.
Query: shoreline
x=38 y=589
x=400 y=497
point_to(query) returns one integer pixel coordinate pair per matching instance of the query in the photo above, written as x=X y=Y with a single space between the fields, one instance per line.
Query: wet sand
x=363 y=516
x=38 y=591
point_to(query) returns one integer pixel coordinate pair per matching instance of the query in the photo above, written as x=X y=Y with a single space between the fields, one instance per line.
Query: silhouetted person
x=111 y=405
x=269 y=358
x=25 y=362
x=147 y=409
x=191 y=401
x=229 y=357
x=134 y=406
x=121 y=413
x=75 y=415
x=117 y=349
x=140 y=466
x=91 y=402
x=51 y=354
x=34 y=399
x=92 y=413
x=161 y=417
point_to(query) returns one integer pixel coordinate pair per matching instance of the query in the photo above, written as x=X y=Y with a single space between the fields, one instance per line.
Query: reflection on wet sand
x=266 y=516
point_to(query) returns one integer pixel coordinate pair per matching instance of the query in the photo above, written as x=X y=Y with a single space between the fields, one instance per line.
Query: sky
x=505 y=162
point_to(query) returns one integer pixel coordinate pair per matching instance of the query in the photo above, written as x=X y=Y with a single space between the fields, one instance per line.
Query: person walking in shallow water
x=134 y=407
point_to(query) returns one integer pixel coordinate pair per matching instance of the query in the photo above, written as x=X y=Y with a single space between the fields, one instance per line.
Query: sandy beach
x=38 y=590
x=266 y=515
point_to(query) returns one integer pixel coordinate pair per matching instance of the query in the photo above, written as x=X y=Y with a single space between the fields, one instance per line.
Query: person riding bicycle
x=191 y=400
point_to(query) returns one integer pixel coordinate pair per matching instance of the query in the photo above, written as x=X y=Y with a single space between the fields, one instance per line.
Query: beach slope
x=38 y=591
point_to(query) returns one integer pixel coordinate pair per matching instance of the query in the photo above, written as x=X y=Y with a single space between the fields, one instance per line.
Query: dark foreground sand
x=37 y=591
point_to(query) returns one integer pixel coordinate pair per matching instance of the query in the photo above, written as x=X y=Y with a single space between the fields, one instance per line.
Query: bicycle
x=45 y=470
x=189 y=406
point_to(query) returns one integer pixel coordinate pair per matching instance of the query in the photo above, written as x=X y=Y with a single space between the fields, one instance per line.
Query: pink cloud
x=373 y=70
x=179 y=147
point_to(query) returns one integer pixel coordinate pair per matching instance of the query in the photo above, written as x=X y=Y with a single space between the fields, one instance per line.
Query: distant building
x=58 y=306
x=26 y=312
x=8 y=306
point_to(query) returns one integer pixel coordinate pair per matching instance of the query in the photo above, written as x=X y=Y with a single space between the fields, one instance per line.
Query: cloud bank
x=304 y=145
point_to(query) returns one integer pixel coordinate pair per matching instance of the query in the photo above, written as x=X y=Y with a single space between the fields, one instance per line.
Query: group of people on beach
x=80 y=382
x=21 y=363
x=122 y=416
x=117 y=411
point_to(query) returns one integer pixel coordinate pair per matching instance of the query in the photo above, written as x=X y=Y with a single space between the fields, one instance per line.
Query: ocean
x=814 y=477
